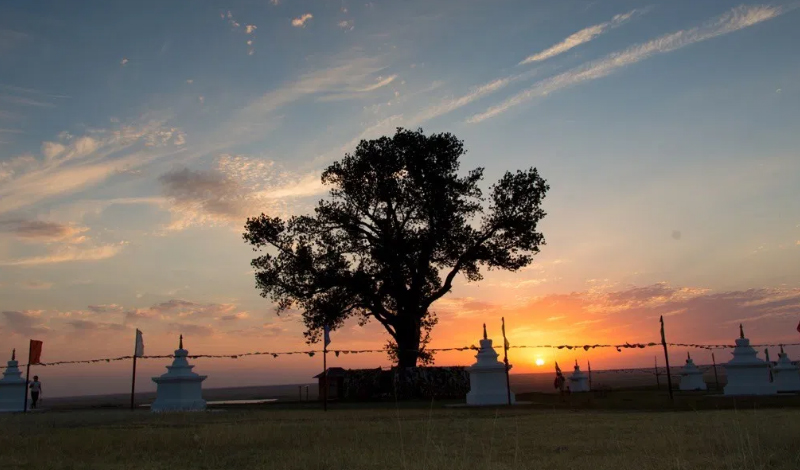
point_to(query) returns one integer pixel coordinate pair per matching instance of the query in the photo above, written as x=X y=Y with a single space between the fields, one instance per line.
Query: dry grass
x=416 y=439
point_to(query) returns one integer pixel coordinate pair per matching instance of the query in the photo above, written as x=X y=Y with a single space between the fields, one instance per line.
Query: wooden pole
x=590 y=374
x=325 y=378
x=666 y=358
x=766 y=353
x=27 y=379
x=133 y=381
x=505 y=359
x=716 y=377
x=658 y=380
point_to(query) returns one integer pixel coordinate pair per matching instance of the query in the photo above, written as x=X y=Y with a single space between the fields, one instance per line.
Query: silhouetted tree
x=399 y=217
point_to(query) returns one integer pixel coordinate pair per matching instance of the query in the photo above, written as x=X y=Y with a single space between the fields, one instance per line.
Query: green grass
x=404 y=438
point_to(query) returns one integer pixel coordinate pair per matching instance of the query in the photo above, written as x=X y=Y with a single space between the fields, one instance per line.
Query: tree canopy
x=399 y=225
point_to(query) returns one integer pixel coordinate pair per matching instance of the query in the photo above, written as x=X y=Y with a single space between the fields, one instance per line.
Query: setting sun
x=539 y=361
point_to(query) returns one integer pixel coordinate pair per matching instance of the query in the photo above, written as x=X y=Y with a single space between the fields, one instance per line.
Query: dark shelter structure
x=411 y=383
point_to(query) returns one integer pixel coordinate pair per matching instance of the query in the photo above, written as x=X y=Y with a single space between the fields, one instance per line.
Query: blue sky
x=136 y=137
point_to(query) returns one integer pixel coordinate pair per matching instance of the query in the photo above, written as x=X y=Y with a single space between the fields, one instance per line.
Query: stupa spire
x=576 y=363
x=14 y=354
x=741 y=331
x=180 y=345
x=484 y=332
x=782 y=349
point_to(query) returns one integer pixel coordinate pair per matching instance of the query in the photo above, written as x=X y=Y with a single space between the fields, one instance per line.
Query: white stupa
x=578 y=381
x=12 y=387
x=179 y=389
x=785 y=374
x=747 y=374
x=691 y=376
x=487 y=377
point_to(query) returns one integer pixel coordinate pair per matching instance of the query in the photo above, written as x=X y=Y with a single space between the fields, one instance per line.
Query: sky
x=137 y=137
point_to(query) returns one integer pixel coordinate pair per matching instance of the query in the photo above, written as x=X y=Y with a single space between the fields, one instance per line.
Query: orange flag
x=35 y=356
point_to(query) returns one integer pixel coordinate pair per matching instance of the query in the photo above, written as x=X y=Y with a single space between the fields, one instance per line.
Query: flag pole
x=27 y=377
x=505 y=359
x=716 y=378
x=133 y=380
x=666 y=358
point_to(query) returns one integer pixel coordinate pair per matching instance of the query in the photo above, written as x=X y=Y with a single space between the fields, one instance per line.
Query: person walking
x=36 y=391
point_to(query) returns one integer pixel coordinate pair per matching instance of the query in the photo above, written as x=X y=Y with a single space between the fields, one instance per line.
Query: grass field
x=410 y=437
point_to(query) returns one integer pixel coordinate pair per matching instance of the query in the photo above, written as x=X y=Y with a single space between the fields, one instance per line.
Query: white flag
x=139 y=352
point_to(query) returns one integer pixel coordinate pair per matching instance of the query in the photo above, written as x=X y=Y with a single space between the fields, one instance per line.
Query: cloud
x=73 y=163
x=190 y=329
x=178 y=309
x=476 y=93
x=381 y=83
x=457 y=307
x=190 y=81
x=250 y=29
x=347 y=25
x=88 y=325
x=734 y=20
x=123 y=62
x=27 y=322
x=581 y=37
x=111 y=308
x=275 y=2
x=39 y=231
x=69 y=253
x=234 y=316
x=300 y=22
x=34 y=285
x=348 y=73
x=238 y=188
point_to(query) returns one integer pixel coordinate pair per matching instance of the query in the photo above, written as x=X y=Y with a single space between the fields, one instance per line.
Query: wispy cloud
x=300 y=21
x=381 y=83
x=348 y=74
x=123 y=62
x=34 y=285
x=75 y=163
x=69 y=253
x=734 y=20
x=581 y=37
x=43 y=231
x=347 y=25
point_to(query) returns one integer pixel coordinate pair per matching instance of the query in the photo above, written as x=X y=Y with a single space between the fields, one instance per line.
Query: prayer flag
x=798 y=327
x=139 y=350
x=35 y=356
x=327 y=335
x=558 y=370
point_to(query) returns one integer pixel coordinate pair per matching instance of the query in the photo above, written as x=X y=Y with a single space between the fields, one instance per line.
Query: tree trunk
x=408 y=342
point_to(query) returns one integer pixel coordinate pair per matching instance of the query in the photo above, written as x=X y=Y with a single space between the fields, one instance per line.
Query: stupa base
x=745 y=390
x=177 y=406
x=789 y=388
x=11 y=410
x=489 y=399
x=693 y=386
